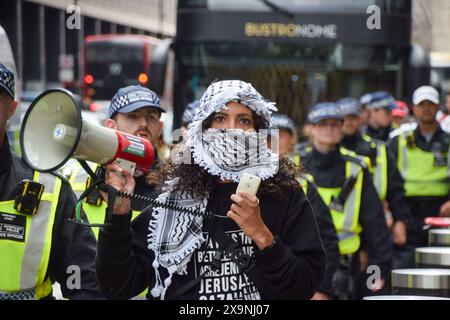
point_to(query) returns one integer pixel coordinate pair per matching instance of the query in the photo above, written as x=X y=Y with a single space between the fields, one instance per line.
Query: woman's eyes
x=246 y=121
x=242 y=121
x=219 y=118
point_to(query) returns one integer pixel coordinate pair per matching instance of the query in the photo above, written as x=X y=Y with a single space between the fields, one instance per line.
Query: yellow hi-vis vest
x=422 y=177
x=379 y=171
x=94 y=212
x=296 y=159
x=24 y=264
x=303 y=180
x=347 y=222
x=78 y=179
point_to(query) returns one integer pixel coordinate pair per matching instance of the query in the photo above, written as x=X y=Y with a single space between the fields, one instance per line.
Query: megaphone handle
x=125 y=164
x=112 y=195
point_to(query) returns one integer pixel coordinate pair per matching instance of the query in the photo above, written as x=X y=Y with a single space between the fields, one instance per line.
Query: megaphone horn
x=53 y=131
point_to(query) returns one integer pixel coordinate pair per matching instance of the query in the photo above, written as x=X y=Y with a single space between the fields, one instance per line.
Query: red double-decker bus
x=115 y=61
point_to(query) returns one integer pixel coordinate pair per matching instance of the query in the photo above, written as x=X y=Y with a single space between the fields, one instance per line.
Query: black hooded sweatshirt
x=290 y=269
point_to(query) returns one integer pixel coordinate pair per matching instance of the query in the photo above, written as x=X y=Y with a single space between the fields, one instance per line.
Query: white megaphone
x=53 y=131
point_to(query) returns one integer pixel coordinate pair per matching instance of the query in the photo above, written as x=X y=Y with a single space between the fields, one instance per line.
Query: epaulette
x=372 y=143
x=349 y=155
x=405 y=129
x=302 y=145
x=305 y=151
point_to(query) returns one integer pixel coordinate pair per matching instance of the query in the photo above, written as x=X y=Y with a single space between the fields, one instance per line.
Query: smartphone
x=248 y=183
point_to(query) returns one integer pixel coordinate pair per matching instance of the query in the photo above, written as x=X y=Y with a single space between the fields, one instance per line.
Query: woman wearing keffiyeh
x=166 y=249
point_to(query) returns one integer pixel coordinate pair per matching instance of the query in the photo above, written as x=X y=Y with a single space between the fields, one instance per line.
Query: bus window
x=116 y=61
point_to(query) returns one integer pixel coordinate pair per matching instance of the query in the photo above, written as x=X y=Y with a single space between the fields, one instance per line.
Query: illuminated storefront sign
x=290 y=30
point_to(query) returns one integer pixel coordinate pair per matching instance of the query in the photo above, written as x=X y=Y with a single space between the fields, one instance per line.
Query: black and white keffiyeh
x=214 y=100
x=175 y=235
x=235 y=151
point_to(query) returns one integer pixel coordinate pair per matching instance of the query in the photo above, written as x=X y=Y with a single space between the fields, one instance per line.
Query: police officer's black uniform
x=329 y=172
x=395 y=194
x=327 y=235
x=423 y=206
x=72 y=244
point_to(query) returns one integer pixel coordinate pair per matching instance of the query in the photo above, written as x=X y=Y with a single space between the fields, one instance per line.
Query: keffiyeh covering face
x=223 y=152
x=234 y=151
x=174 y=235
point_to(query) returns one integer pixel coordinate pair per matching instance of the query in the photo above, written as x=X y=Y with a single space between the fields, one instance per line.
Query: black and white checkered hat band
x=316 y=116
x=7 y=81
x=384 y=103
x=119 y=103
x=133 y=97
x=21 y=295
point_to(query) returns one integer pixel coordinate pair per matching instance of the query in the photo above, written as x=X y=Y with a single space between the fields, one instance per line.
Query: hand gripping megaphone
x=53 y=131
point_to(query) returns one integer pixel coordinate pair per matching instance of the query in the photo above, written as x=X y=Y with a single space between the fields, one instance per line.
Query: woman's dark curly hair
x=197 y=181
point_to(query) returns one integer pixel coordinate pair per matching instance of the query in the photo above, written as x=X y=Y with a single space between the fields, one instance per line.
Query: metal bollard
x=439 y=238
x=433 y=257
x=421 y=282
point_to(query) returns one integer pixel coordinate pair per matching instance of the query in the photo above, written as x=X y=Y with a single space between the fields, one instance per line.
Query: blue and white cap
x=282 y=121
x=190 y=111
x=324 y=110
x=381 y=100
x=132 y=98
x=365 y=99
x=349 y=106
x=7 y=81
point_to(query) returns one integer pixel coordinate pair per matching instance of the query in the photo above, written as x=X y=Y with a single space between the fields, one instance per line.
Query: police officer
x=134 y=110
x=400 y=114
x=345 y=185
x=287 y=139
x=38 y=243
x=379 y=125
x=189 y=113
x=386 y=177
x=364 y=115
x=422 y=158
x=287 y=135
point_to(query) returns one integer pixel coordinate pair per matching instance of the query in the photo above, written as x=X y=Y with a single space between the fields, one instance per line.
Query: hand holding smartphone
x=249 y=183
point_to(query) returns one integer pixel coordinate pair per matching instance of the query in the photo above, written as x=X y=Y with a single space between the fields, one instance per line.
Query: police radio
x=28 y=196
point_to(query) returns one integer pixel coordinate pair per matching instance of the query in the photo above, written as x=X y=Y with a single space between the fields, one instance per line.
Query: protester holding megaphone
x=263 y=245
x=38 y=244
x=54 y=131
